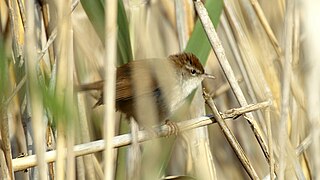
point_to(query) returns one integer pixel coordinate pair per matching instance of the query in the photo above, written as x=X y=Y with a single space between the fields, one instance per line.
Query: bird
x=165 y=82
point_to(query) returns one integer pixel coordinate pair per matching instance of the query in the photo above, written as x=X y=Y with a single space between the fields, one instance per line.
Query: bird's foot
x=173 y=127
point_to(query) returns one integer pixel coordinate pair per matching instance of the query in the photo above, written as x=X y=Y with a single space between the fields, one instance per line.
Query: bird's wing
x=133 y=80
x=123 y=83
x=98 y=85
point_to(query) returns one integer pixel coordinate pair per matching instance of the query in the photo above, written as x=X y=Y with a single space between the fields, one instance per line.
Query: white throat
x=185 y=89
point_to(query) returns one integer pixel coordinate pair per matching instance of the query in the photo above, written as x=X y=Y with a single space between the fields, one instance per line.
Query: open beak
x=208 y=76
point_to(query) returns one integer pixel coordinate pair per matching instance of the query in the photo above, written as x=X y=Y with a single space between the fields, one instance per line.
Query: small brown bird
x=167 y=82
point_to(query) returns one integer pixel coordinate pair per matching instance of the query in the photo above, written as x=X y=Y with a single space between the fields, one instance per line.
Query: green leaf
x=124 y=43
x=198 y=43
x=95 y=13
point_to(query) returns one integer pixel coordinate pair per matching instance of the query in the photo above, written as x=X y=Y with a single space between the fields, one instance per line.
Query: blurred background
x=49 y=47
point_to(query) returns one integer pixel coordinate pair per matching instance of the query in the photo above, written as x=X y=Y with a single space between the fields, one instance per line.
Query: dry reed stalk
x=64 y=91
x=270 y=143
x=134 y=153
x=110 y=59
x=126 y=139
x=4 y=169
x=84 y=136
x=239 y=60
x=17 y=29
x=5 y=144
x=232 y=140
x=168 y=11
x=71 y=130
x=34 y=89
x=265 y=84
x=255 y=127
x=198 y=139
x=199 y=142
x=45 y=14
x=219 y=51
x=17 y=24
x=256 y=6
x=182 y=25
x=283 y=136
x=258 y=59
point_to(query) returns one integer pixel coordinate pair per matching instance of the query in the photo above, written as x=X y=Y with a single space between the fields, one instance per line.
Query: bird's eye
x=193 y=72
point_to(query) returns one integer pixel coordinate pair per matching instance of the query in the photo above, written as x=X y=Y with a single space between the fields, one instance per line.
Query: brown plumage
x=168 y=81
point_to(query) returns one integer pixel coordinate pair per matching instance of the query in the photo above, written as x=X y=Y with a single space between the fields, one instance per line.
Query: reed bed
x=259 y=119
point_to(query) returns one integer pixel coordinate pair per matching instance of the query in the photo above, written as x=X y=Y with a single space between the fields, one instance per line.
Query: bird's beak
x=205 y=75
